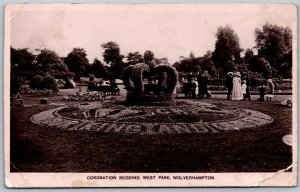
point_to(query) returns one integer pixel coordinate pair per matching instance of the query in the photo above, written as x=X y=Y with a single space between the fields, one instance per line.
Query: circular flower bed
x=120 y=118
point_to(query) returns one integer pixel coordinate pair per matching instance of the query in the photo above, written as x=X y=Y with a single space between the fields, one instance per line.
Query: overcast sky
x=168 y=31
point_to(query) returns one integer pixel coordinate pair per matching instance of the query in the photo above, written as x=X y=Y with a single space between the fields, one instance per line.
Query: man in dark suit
x=229 y=84
x=203 y=85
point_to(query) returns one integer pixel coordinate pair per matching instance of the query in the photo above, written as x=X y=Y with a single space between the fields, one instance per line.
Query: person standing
x=203 y=85
x=246 y=78
x=189 y=77
x=262 y=92
x=244 y=87
x=228 y=84
x=237 y=88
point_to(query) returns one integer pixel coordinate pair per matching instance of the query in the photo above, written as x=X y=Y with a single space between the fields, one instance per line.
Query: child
x=261 y=90
x=244 y=87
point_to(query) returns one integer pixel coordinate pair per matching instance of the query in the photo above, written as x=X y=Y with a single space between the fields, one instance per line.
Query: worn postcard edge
x=30 y=180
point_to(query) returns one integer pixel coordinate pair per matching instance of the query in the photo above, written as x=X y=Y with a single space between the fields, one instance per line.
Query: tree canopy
x=227 y=49
x=99 y=69
x=77 y=62
x=275 y=44
x=21 y=56
x=22 y=62
x=113 y=57
x=51 y=63
x=134 y=58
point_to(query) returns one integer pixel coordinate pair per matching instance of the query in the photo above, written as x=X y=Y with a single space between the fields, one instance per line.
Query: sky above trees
x=168 y=31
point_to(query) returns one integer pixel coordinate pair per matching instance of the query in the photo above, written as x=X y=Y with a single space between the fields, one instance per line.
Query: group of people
x=202 y=81
x=266 y=90
x=239 y=89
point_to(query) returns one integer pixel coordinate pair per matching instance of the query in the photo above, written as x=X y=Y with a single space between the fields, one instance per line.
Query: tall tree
x=275 y=44
x=227 y=49
x=260 y=65
x=134 y=58
x=52 y=64
x=113 y=57
x=248 y=55
x=21 y=56
x=22 y=63
x=77 y=62
x=206 y=63
x=99 y=69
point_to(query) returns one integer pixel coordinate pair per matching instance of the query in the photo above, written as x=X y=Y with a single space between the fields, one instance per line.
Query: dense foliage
x=113 y=58
x=49 y=62
x=273 y=57
x=227 y=49
x=77 y=62
x=98 y=69
x=47 y=82
x=274 y=43
x=36 y=82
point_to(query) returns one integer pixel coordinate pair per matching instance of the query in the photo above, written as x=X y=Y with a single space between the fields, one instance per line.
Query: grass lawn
x=45 y=149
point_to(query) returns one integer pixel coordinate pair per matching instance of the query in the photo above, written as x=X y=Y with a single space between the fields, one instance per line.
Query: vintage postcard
x=150 y=95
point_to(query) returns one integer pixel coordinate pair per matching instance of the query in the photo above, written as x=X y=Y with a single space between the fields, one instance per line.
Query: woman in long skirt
x=237 y=93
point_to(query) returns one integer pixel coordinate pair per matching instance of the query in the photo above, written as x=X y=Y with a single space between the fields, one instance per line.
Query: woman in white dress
x=237 y=93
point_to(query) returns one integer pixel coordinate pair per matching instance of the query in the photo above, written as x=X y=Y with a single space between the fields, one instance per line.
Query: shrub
x=44 y=101
x=171 y=77
x=137 y=77
x=50 y=83
x=126 y=77
x=36 y=82
x=148 y=56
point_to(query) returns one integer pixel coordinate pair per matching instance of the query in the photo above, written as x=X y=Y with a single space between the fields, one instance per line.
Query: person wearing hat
x=237 y=93
x=228 y=84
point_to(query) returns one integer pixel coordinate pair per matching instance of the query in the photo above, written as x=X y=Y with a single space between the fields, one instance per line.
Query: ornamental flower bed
x=37 y=92
x=184 y=117
x=86 y=96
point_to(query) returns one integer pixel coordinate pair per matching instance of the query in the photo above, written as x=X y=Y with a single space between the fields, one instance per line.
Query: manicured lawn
x=45 y=149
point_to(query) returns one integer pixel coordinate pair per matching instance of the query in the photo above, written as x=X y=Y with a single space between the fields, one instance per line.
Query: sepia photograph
x=150 y=95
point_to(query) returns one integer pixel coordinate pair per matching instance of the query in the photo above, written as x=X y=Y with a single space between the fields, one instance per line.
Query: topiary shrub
x=171 y=78
x=137 y=78
x=50 y=83
x=126 y=77
x=155 y=93
x=36 y=82
x=148 y=56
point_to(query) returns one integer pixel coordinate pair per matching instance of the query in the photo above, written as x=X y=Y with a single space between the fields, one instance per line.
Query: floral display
x=185 y=117
x=37 y=92
x=86 y=96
